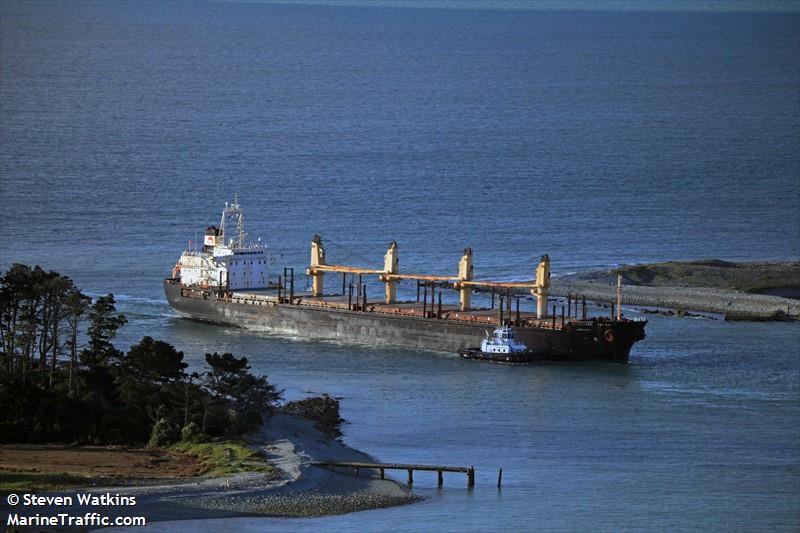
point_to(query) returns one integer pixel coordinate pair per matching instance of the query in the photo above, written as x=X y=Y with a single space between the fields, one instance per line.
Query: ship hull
x=578 y=341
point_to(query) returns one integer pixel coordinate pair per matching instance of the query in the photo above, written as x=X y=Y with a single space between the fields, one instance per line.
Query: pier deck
x=382 y=467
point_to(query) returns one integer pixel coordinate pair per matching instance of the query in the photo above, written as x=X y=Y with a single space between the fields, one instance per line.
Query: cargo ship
x=228 y=282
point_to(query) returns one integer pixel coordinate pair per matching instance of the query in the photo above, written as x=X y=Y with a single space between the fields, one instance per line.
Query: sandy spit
x=301 y=489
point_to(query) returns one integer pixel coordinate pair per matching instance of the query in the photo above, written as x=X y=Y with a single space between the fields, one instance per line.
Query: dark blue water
x=597 y=137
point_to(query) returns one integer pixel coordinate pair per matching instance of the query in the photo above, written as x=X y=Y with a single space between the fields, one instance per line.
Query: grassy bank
x=53 y=467
x=37 y=481
x=217 y=459
x=751 y=277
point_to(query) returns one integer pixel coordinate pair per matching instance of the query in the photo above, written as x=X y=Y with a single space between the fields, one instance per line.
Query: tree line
x=63 y=380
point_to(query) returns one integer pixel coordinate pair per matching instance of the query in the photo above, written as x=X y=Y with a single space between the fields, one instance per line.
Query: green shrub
x=163 y=434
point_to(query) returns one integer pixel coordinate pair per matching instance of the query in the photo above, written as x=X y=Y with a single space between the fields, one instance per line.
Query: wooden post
x=584 y=307
x=417 y=291
x=612 y=310
x=280 y=285
x=357 y=472
x=508 y=301
x=499 y=478
x=471 y=477
x=562 y=317
x=569 y=304
x=554 y=317
x=344 y=283
x=441 y=478
x=492 y=297
x=410 y=477
x=364 y=292
x=439 y=312
x=517 y=322
x=383 y=474
x=425 y=301
x=291 y=287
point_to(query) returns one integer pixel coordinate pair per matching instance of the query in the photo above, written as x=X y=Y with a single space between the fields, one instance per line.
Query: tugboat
x=501 y=347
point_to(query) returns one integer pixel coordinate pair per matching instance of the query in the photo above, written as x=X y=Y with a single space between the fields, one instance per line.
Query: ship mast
x=233 y=212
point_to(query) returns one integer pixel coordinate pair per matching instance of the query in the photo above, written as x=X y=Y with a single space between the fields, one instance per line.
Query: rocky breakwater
x=740 y=291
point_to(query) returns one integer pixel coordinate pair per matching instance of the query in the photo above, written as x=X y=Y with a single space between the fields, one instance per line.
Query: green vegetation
x=38 y=481
x=217 y=459
x=747 y=277
x=54 y=388
x=323 y=410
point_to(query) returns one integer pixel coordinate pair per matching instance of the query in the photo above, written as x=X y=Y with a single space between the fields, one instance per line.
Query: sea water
x=599 y=137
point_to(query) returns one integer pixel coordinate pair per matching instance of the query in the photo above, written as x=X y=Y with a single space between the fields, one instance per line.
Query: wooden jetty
x=410 y=468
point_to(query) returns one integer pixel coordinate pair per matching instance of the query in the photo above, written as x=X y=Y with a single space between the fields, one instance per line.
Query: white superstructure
x=502 y=342
x=225 y=260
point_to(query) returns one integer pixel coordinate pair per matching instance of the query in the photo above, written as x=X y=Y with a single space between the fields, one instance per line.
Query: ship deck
x=484 y=315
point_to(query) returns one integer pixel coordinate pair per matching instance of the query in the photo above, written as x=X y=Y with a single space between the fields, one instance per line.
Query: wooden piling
x=410 y=476
x=344 y=283
x=280 y=286
x=425 y=301
x=500 y=478
x=554 y=317
x=500 y=307
x=417 y=291
x=492 y=297
x=562 y=317
x=440 y=477
x=584 y=307
x=471 y=477
x=364 y=292
x=569 y=304
x=439 y=311
x=291 y=286
x=517 y=321
x=383 y=473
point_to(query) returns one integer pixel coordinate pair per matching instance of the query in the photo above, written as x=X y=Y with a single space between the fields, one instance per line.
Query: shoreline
x=735 y=305
x=735 y=290
x=301 y=490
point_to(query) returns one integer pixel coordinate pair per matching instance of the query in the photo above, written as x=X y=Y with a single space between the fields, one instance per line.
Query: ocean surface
x=605 y=136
